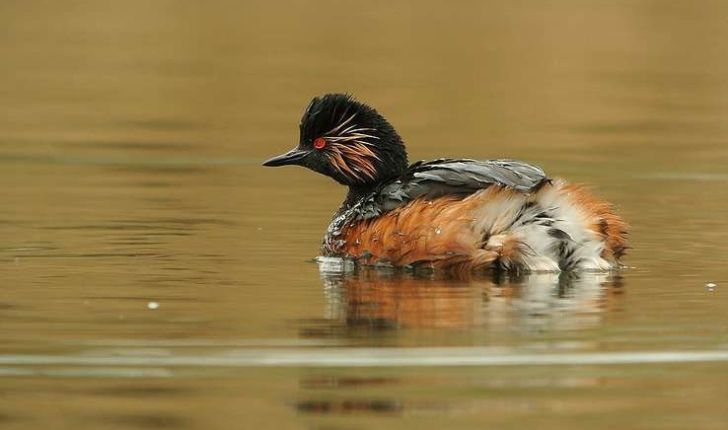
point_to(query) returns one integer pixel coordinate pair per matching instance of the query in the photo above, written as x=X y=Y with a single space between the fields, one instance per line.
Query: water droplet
x=710 y=286
x=153 y=305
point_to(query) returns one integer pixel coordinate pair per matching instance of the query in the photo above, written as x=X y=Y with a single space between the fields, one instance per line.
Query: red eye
x=319 y=143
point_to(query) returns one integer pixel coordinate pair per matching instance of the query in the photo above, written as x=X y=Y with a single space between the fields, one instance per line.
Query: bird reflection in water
x=365 y=303
x=379 y=298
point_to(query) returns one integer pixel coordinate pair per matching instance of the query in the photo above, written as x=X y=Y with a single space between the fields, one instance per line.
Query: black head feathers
x=348 y=141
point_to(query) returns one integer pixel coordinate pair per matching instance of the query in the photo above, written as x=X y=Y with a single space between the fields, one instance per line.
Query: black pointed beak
x=294 y=156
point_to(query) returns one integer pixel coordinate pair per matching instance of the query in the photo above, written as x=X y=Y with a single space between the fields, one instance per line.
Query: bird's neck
x=392 y=165
x=356 y=193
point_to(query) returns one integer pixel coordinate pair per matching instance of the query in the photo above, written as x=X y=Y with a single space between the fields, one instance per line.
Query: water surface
x=131 y=137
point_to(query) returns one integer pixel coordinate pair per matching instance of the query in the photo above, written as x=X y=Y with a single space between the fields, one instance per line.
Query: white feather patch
x=505 y=217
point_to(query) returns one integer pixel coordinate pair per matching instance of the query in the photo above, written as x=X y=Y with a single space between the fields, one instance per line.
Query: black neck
x=356 y=193
x=359 y=191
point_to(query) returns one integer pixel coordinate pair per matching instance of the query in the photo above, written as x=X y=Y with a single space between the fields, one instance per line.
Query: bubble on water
x=153 y=305
x=710 y=286
x=438 y=230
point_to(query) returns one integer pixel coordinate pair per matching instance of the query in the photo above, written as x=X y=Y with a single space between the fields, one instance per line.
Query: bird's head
x=347 y=141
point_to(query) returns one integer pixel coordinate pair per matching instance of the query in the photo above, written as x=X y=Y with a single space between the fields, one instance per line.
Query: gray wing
x=455 y=177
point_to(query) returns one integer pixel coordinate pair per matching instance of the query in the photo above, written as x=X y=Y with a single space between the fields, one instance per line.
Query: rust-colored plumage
x=437 y=232
x=605 y=222
x=353 y=159
x=452 y=233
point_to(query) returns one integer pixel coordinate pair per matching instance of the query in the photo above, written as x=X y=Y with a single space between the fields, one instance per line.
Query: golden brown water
x=131 y=135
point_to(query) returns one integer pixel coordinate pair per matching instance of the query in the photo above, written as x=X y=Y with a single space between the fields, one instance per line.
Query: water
x=130 y=141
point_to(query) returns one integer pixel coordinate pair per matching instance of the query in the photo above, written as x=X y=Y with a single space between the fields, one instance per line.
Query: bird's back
x=467 y=214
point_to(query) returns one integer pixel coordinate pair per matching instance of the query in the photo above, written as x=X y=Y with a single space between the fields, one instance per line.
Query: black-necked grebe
x=448 y=213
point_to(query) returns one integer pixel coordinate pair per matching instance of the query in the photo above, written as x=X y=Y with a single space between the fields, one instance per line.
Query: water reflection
x=381 y=298
x=366 y=302
x=371 y=406
x=348 y=386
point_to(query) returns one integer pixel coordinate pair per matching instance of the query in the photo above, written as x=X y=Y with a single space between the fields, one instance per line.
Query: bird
x=448 y=214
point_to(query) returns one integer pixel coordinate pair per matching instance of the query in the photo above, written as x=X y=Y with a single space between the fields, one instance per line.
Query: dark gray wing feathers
x=458 y=177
